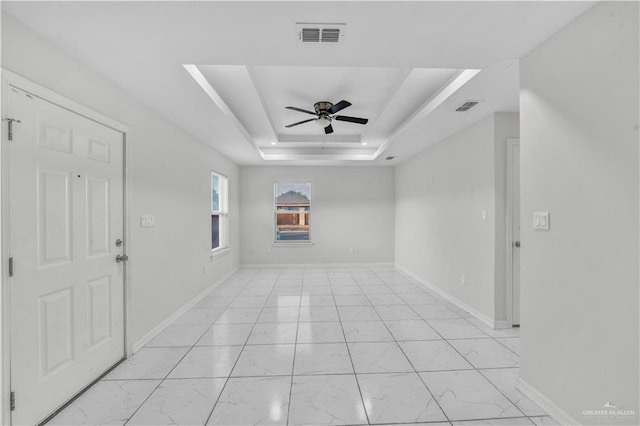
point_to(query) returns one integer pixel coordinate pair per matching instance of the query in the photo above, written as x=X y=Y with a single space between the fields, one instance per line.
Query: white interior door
x=65 y=215
x=515 y=232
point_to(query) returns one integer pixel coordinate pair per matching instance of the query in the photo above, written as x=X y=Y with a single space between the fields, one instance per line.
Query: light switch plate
x=541 y=221
x=147 y=221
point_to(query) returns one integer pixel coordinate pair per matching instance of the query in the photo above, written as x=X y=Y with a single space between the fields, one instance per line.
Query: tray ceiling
x=254 y=98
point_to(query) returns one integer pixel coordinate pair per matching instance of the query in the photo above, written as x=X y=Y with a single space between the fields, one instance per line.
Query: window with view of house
x=219 y=211
x=292 y=211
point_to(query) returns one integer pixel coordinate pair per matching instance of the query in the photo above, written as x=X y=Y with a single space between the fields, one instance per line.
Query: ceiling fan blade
x=301 y=110
x=339 y=106
x=300 y=122
x=328 y=129
x=351 y=119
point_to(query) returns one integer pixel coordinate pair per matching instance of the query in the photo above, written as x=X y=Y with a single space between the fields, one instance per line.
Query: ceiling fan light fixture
x=323 y=121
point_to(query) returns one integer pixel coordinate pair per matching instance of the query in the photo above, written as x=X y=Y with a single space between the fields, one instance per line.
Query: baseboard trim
x=140 y=343
x=313 y=265
x=501 y=324
x=444 y=294
x=545 y=403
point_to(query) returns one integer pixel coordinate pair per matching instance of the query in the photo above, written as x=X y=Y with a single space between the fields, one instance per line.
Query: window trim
x=222 y=212
x=290 y=243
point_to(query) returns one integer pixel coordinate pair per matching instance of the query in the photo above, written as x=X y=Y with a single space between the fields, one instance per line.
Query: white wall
x=440 y=196
x=169 y=177
x=579 y=161
x=351 y=207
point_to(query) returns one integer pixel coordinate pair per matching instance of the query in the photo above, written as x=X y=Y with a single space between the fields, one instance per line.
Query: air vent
x=310 y=35
x=330 y=35
x=467 y=106
x=320 y=33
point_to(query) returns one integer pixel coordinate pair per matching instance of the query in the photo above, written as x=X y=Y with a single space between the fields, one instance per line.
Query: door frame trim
x=511 y=143
x=11 y=79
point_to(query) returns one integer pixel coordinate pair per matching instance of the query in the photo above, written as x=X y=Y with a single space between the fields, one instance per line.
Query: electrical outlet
x=463 y=280
x=484 y=215
x=352 y=250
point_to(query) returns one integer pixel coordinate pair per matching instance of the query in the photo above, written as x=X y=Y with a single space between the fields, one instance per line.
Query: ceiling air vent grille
x=467 y=106
x=320 y=33
x=310 y=35
x=330 y=35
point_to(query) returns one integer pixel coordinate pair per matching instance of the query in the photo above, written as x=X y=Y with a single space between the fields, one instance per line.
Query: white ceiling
x=396 y=58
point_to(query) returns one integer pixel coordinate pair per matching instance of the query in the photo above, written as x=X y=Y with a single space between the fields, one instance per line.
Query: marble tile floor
x=316 y=346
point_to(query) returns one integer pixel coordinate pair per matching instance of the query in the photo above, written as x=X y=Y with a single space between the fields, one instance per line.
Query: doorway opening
x=513 y=232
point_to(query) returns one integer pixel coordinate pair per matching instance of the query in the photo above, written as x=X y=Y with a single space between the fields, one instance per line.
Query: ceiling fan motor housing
x=322 y=107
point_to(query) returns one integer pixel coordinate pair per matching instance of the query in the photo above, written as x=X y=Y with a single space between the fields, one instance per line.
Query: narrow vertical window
x=219 y=211
x=292 y=212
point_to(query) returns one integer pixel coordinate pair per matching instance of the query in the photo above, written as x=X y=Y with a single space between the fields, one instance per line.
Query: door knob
x=517 y=244
x=122 y=258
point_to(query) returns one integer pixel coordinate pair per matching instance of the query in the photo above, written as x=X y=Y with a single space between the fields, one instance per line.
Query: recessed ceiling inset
x=266 y=102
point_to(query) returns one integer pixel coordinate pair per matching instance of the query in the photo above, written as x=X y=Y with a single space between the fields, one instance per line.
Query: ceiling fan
x=325 y=114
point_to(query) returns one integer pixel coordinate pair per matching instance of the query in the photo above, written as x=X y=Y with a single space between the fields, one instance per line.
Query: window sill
x=219 y=252
x=289 y=244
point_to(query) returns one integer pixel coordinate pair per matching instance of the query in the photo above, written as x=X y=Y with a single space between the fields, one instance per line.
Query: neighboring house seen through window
x=219 y=211
x=292 y=211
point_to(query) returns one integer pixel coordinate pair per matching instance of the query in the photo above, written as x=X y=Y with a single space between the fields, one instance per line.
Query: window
x=292 y=209
x=219 y=211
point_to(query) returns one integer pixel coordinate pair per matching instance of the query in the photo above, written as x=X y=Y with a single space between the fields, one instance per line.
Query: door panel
x=56 y=330
x=53 y=137
x=97 y=216
x=99 y=310
x=99 y=151
x=65 y=214
x=54 y=216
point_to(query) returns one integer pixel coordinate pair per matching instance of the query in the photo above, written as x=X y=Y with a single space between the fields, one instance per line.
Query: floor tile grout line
x=537 y=417
x=171 y=369
x=412 y=366
x=478 y=369
x=501 y=392
x=355 y=375
x=479 y=419
x=157 y=386
x=314 y=374
x=505 y=346
x=470 y=363
x=295 y=349
x=241 y=350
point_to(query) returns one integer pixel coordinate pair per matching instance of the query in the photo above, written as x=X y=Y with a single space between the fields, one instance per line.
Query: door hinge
x=12 y=400
x=11 y=266
x=10 y=127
